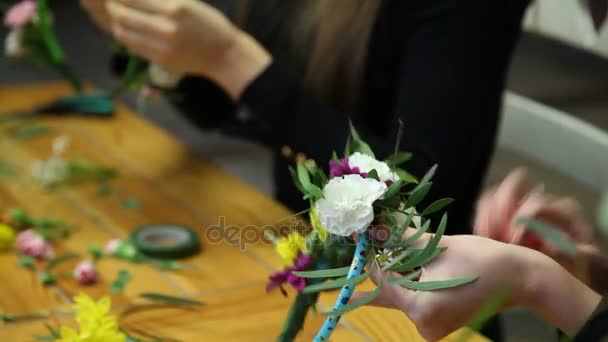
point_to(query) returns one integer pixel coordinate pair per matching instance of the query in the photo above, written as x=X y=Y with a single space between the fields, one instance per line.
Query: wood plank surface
x=175 y=186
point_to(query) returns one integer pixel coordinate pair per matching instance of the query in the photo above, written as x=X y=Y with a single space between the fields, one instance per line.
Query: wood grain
x=175 y=186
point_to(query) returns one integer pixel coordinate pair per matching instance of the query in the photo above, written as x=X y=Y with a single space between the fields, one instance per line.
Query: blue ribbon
x=356 y=268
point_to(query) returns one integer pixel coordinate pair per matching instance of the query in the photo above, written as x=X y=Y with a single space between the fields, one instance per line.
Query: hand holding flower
x=528 y=278
x=189 y=36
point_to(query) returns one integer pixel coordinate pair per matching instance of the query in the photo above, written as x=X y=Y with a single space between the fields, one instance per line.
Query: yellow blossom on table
x=95 y=322
x=7 y=236
x=290 y=246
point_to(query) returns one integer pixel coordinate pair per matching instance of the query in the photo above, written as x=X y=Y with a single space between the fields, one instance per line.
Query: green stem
x=297 y=316
x=30 y=315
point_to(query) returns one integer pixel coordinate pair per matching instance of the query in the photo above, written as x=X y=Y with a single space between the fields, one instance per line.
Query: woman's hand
x=189 y=36
x=98 y=12
x=500 y=208
x=526 y=277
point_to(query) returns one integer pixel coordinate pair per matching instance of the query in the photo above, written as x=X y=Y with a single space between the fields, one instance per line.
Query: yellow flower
x=96 y=324
x=316 y=224
x=7 y=236
x=290 y=246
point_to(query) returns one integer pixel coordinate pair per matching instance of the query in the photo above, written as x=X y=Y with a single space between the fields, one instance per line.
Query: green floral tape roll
x=166 y=241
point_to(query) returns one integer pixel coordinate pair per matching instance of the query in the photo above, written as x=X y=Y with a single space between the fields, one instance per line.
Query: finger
x=141 y=22
x=530 y=207
x=151 y=6
x=508 y=196
x=139 y=44
x=569 y=211
x=481 y=226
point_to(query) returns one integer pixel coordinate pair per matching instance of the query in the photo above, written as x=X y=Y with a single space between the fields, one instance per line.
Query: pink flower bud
x=34 y=245
x=20 y=14
x=85 y=273
x=112 y=246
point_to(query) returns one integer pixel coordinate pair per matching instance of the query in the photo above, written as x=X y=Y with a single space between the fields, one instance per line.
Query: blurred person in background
x=290 y=75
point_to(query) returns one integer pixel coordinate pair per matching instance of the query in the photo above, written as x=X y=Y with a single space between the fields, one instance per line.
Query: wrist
x=557 y=296
x=243 y=60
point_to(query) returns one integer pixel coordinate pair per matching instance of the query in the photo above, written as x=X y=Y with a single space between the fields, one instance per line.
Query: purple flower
x=341 y=168
x=279 y=278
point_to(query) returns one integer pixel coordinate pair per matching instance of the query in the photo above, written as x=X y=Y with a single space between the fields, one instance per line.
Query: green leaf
x=359 y=302
x=412 y=239
x=428 y=253
x=52 y=336
x=121 y=281
x=487 y=311
x=418 y=194
x=157 y=297
x=59 y=260
x=303 y=175
x=602 y=214
x=405 y=176
x=549 y=234
x=336 y=284
x=334 y=272
x=334 y=156
x=373 y=174
x=437 y=206
x=29 y=131
x=131 y=203
x=27 y=261
x=407 y=265
x=296 y=180
x=314 y=192
x=431 y=285
x=405 y=254
x=393 y=189
x=429 y=175
x=398 y=158
x=357 y=144
x=103 y=190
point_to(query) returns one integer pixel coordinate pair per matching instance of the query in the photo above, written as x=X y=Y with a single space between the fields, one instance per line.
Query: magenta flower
x=342 y=168
x=32 y=244
x=20 y=14
x=279 y=278
x=85 y=273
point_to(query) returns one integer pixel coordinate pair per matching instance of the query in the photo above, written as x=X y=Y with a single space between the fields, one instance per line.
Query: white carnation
x=366 y=163
x=347 y=204
x=162 y=77
x=13 y=45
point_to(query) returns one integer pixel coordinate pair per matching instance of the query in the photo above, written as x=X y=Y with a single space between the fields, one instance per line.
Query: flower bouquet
x=361 y=216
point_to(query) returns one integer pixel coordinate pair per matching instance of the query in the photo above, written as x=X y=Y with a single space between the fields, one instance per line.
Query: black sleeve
x=596 y=328
x=454 y=55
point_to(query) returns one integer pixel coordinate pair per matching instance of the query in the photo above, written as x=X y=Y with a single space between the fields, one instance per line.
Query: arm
x=530 y=279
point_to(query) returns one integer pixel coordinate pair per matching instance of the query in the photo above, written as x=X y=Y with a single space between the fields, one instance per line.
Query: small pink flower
x=112 y=246
x=20 y=14
x=85 y=273
x=34 y=245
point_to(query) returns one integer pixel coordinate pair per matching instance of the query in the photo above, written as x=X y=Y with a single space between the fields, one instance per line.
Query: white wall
x=568 y=21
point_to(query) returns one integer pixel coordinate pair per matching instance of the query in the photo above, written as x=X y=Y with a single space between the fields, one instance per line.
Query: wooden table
x=174 y=186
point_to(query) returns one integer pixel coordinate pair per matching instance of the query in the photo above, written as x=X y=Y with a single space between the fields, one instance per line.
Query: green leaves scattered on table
x=131 y=203
x=172 y=300
x=29 y=131
x=121 y=281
